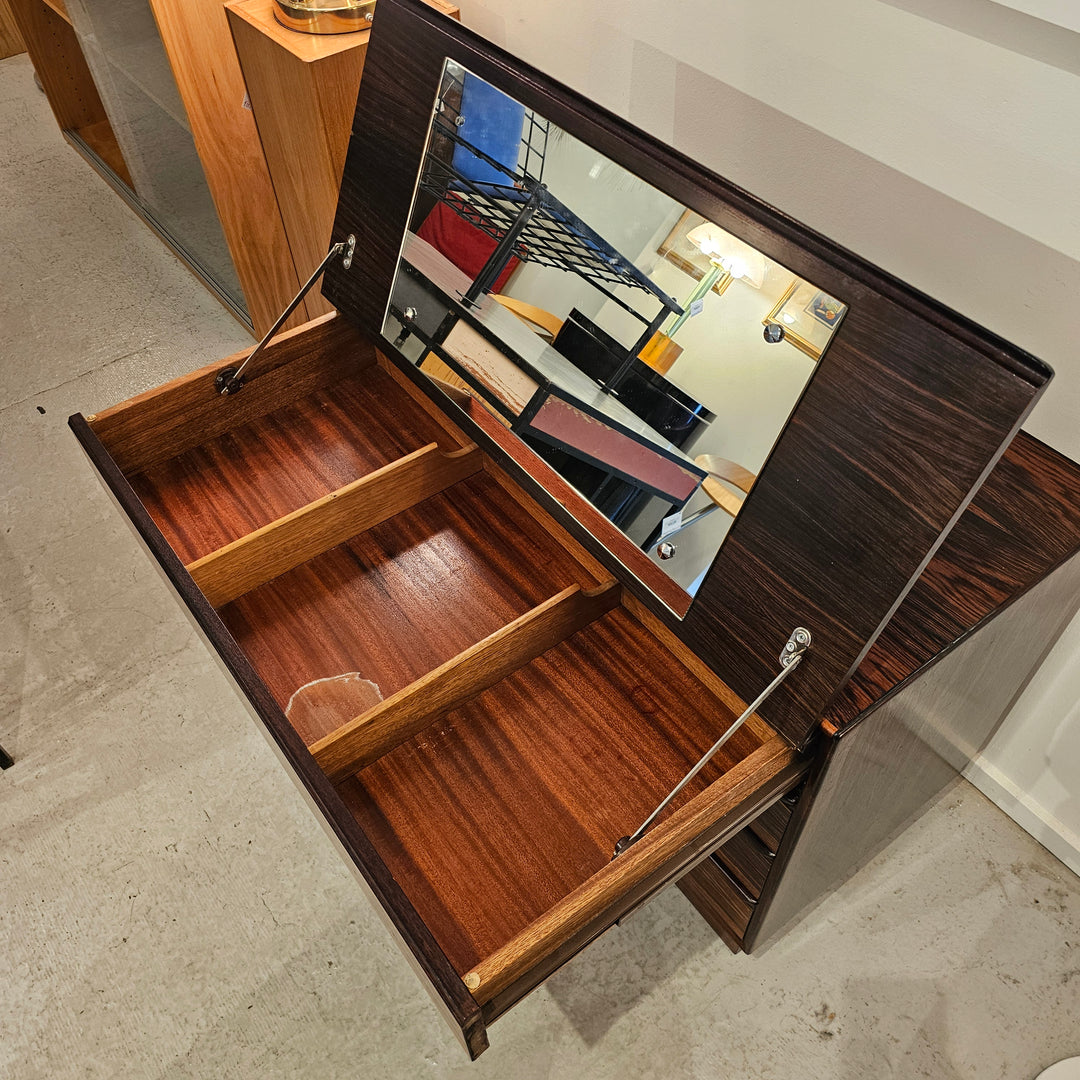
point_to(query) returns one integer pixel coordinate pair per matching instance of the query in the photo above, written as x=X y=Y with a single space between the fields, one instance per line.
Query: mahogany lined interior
x=509 y=803
x=259 y=471
x=507 y=790
x=398 y=600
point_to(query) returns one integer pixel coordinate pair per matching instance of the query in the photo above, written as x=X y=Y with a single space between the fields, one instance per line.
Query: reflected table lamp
x=730 y=259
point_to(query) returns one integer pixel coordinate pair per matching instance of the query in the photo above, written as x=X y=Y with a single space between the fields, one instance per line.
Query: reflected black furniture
x=645 y=392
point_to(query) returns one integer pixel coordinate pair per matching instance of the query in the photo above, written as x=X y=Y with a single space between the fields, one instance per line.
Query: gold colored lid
x=325 y=16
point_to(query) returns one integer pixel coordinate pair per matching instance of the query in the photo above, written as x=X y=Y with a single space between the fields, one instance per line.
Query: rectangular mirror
x=650 y=357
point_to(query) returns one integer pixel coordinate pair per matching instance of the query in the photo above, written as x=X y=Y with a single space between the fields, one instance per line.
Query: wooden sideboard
x=195 y=36
x=11 y=42
x=303 y=90
x=341 y=521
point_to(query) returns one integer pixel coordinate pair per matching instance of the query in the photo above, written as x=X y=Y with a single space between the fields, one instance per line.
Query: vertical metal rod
x=229 y=381
x=611 y=386
x=790 y=658
x=504 y=250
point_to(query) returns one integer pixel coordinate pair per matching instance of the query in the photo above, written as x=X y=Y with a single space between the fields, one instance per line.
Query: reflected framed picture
x=808 y=316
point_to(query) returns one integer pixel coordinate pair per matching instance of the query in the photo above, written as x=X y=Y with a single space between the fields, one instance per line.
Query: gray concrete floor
x=169 y=908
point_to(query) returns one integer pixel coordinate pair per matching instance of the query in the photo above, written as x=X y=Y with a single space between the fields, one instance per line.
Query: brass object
x=660 y=352
x=325 y=16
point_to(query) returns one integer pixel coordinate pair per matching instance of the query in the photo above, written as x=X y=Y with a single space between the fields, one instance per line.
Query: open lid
x=902 y=417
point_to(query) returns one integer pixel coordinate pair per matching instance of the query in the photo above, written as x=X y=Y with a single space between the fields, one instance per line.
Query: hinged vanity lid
x=902 y=416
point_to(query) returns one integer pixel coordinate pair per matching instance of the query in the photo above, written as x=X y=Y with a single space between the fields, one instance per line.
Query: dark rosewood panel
x=900 y=423
x=719 y=901
x=1021 y=523
x=747 y=860
x=769 y=826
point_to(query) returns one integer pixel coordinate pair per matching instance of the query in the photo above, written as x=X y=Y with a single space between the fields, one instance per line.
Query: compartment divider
x=294 y=539
x=367 y=737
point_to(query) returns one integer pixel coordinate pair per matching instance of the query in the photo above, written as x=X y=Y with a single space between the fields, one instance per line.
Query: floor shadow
x=630 y=963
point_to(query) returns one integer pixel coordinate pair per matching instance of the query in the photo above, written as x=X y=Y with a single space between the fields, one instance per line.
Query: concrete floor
x=169 y=908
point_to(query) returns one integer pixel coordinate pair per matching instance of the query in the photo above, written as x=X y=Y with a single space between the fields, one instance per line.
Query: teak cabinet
x=524 y=697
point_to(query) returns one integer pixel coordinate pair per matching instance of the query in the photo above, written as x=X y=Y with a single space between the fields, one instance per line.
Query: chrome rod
x=790 y=657
x=229 y=381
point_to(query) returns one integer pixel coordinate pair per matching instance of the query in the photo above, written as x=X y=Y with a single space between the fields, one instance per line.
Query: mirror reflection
x=649 y=356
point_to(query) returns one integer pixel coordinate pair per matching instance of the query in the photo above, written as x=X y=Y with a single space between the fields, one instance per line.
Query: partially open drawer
x=475 y=709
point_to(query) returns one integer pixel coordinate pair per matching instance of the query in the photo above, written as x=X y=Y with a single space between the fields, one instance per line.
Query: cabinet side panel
x=11 y=42
x=880 y=775
x=207 y=72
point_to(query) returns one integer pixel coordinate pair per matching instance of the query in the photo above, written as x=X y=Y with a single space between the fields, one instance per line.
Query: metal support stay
x=230 y=380
x=790 y=657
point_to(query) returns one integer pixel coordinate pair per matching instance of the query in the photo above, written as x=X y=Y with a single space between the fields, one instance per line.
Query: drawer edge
x=789 y=768
x=412 y=935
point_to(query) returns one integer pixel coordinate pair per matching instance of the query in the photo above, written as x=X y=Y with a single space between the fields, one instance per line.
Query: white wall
x=937 y=138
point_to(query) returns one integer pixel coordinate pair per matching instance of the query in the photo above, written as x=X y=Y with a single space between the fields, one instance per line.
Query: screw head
x=666 y=550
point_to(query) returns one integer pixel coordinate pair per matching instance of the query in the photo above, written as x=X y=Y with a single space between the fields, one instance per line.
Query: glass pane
x=131 y=71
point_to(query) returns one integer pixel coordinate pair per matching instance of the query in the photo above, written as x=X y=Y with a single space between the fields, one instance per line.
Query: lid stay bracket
x=230 y=380
x=790 y=657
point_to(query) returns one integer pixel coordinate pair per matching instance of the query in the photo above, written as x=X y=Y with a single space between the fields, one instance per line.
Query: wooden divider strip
x=589 y=901
x=366 y=738
x=286 y=543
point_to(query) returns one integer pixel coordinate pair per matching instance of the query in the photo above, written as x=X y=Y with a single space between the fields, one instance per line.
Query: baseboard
x=1033 y=818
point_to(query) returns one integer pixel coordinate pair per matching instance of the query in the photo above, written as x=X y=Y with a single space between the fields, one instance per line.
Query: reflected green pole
x=703 y=286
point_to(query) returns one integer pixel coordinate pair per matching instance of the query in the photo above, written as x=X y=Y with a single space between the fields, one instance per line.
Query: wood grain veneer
x=770 y=824
x=11 y=42
x=509 y=803
x=302 y=89
x=200 y=48
x=905 y=415
x=366 y=738
x=160 y=424
x=302 y=95
x=880 y=773
x=719 y=901
x=238 y=482
x=404 y=597
x=399 y=916
x=266 y=553
x=1022 y=522
x=747 y=860
x=576 y=918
